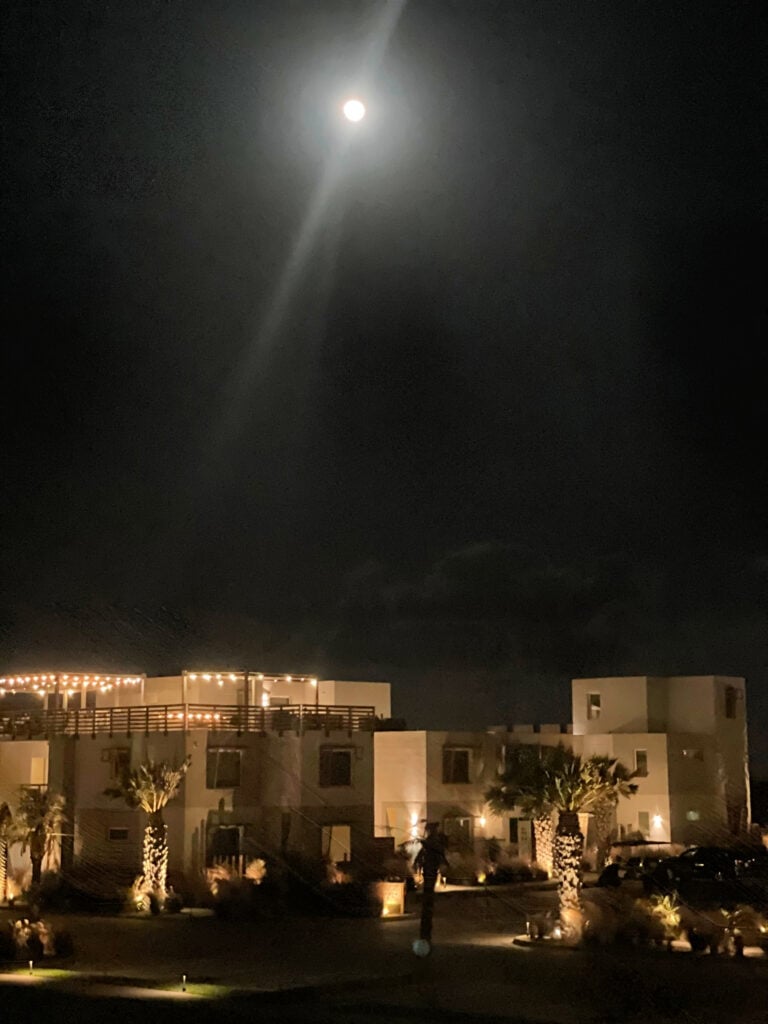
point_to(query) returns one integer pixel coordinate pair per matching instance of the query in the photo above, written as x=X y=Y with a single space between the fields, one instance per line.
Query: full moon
x=354 y=110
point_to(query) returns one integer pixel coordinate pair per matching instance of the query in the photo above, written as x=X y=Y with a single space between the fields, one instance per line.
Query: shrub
x=173 y=903
x=514 y=870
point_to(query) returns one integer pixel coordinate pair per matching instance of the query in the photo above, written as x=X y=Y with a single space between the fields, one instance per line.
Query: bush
x=173 y=903
x=350 y=899
x=78 y=890
x=515 y=871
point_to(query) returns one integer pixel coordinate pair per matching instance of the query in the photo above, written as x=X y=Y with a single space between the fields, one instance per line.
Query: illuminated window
x=222 y=768
x=641 y=763
x=456 y=765
x=337 y=842
x=335 y=766
x=692 y=815
x=38 y=771
x=593 y=706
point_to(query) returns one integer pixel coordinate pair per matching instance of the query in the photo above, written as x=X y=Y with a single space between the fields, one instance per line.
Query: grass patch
x=201 y=989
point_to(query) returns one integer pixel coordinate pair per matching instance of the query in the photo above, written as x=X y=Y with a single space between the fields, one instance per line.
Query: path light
x=31 y=965
x=183 y=983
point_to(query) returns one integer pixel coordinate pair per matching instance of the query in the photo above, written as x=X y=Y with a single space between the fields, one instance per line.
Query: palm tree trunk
x=37 y=869
x=569 y=845
x=3 y=871
x=604 y=814
x=544 y=835
x=155 y=856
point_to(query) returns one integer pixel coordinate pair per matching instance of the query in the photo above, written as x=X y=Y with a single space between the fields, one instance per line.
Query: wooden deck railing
x=165 y=718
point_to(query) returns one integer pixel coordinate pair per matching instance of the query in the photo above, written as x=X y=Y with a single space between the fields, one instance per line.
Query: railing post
x=77 y=724
x=146 y=719
x=349 y=720
x=165 y=719
x=185 y=709
x=111 y=723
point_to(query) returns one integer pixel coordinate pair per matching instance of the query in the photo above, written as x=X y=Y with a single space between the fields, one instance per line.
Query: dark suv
x=735 y=873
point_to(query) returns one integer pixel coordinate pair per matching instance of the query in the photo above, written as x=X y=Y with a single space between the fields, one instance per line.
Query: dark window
x=118 y=834
x=594 y=705
x=335 y=766
x=731 y=698
x=90 y=698
x=119 y=760
x=225 y=842
x=641 y=763
x=644 y=822
x=455 y=765
x=458 y=832
x=513 y=830
x=222 y=768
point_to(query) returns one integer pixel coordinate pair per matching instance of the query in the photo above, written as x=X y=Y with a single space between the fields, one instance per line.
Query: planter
x=391 y=896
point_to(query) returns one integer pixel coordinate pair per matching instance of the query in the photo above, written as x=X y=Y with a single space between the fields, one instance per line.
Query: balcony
x=166 y=718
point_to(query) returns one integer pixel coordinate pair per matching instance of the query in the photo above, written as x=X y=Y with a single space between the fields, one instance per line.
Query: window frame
x=212 y=777
x=328 y=775
x=119 y=760
x=450 y=750
x=731 y=700
x=641 y=774
x=594 y=711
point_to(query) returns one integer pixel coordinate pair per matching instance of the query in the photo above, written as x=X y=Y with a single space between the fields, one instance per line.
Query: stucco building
x=684 y=737
x=274 y=766
x=296 y=763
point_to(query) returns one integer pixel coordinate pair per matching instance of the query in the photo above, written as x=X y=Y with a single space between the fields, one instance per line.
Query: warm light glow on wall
x=657 y=821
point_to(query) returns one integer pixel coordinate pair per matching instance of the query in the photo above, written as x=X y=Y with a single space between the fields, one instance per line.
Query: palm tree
x=570 y=785
x=151 y=787
x=37 y=822
x=524 y=784
x=604 y=810
x=6 y=838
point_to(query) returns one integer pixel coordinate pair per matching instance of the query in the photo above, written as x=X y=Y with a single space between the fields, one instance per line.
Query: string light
x=47 y=682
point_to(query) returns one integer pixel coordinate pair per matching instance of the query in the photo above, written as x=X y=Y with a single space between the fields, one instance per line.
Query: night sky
x=469 y=396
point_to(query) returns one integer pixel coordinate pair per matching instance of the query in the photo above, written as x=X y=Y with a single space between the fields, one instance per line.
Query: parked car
x=734 y=874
